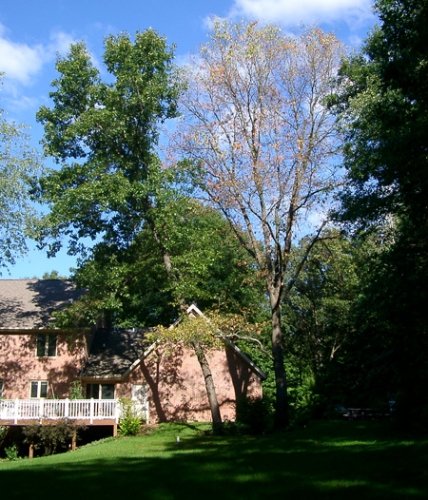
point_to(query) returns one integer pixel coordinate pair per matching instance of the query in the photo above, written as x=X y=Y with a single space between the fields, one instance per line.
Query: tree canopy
x=256 y=124
x=20 y=166
x=103 y=135
x=384 y=114
x=132 y=288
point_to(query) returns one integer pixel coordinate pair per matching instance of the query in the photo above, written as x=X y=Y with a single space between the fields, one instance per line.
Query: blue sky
x=33 y=32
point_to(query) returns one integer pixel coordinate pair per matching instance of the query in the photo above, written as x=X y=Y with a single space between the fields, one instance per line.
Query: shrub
x=255 y=413
x=3 y=432
x=52 y=438
x=12 y=453
x=129 y=422
x=76 y=390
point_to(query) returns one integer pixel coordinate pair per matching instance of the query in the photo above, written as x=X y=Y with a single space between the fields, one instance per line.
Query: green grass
x=343 y=460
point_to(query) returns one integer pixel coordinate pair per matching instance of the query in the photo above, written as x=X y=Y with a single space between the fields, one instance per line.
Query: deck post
x=16 y=411
x=41 y=402
x=66 y=405
x=116 y=411
x=74 y=440
x=91 y=411
x=31 y=451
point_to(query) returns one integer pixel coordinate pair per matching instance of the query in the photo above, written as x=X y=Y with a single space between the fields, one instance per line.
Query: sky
x=33 y=33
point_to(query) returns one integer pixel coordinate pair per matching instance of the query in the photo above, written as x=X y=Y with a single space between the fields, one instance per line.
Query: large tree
x=256 y=125
x=111 y=197
x=20 y=165
x=132 y=288
x=384 y=113
x=104 y=134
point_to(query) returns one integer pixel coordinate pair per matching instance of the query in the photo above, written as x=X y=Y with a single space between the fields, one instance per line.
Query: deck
x=83 y=411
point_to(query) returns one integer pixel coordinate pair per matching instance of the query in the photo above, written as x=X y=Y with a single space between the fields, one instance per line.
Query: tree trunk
x=206 y=370
x=209 y=383
x=281 y=410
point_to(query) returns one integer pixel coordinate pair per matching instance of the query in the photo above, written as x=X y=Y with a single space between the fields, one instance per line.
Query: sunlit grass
x=324 y=460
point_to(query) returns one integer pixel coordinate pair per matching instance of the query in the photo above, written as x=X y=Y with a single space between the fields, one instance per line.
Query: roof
x=115 y=352
x=29 y=304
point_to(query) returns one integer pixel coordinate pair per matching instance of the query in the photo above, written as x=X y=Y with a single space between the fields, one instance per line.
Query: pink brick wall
x=177 y=389
x=19 y=365
x=174 y=378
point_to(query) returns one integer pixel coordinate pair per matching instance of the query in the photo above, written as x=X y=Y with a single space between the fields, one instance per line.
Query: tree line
x=291 y=202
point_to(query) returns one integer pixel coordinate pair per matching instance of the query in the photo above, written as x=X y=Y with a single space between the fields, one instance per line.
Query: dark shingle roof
x=114 y=351
x=29 y=304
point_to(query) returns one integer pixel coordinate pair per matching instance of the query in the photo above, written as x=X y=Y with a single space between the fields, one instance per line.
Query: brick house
x=39 y=365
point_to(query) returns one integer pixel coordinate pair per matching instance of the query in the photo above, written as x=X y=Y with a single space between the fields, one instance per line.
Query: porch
x=83 y=411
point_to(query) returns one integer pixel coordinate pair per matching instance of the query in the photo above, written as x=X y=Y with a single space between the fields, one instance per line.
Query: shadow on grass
x=327 y=460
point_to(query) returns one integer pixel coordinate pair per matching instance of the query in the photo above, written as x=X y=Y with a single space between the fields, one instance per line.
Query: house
x=40 y=364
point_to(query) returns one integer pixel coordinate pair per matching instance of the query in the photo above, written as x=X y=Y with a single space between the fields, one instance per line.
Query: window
x=100 y=391
x=1 y=388
x=39 y=389
x=46 y=345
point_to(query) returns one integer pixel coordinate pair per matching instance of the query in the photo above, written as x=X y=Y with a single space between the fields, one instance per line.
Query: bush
x=12 y=453
x=255 y=413
x=129 y=422
x=52 y=438
x=76 y=390
x=3 y=432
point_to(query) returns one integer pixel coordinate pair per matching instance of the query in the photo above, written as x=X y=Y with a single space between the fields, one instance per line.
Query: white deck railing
x=54 y=409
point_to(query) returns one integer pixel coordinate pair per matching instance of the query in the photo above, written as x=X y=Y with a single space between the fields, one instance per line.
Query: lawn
x=346 y=460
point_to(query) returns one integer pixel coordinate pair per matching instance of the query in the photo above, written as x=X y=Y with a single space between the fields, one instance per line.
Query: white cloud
x=293 y=12
x=19 y=61
x=60 y=43
x=22 y=62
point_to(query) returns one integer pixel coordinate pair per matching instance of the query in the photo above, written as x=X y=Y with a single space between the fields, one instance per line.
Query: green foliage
x=76 y=390
x=103 y=135
x=211 y=268
x=12 y=453
x=384 y=114
x=51 y=438
x=129 y=422
x=53 y=275
x=255 y=413
x=20 y=167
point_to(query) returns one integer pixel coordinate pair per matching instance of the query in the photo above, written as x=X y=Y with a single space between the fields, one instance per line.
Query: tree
x=20 y=165
x=256 y=125
x=111 y=188
x=210 y=264
x=384 y=114
x=104 y=137
x=131 y=287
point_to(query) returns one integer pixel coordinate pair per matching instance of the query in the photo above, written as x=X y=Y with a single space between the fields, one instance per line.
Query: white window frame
x=42 y=388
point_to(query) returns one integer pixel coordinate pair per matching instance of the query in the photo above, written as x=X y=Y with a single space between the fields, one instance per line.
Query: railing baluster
x=39 y=409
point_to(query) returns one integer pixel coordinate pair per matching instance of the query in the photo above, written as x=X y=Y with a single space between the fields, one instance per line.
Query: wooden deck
x=48 y=411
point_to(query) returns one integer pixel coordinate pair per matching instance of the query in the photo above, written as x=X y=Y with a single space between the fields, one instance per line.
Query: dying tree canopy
x=256 y=123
